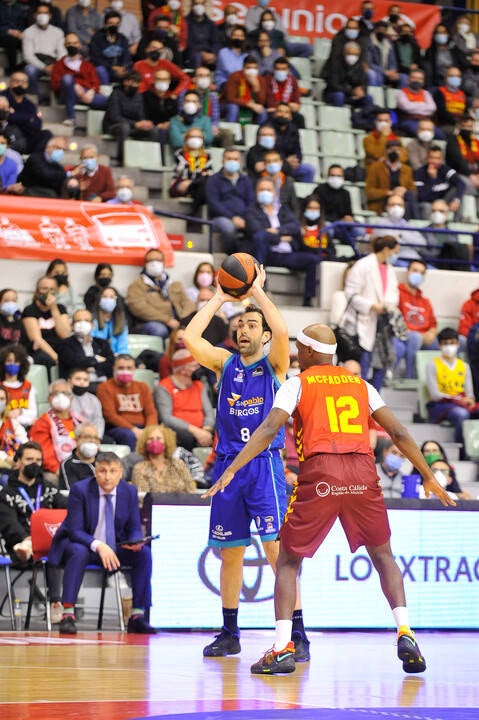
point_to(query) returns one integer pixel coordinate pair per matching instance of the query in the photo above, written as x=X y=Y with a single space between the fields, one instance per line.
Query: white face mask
x=190 y=108
x=199 y=10
x=396 y=212
x=351 y=59
x=382 y=125
x=162 y=85
x=174 y=4
x=425 y=135
x=155 y=268
x=82 y=328
x=60 y=402
x=463 y=28
x=438 y=217
x=43 y=19
x=116 y=5
x=88 y=449
x=251 y=72
x=268 y=25
x=335 y=182
x=194 y=143
x=84 y=3
x=449 y=351
x=124 y=194
x=231 y=20
x=203 y=83
x=204 y=279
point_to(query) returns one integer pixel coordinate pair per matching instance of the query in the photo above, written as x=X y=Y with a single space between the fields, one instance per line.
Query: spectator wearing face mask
x=244 y=94
x=442 y=246
x=125 y=114
x=462 y=154
x=389 y=470
x=8 y=167
x=22 y=114
x=14 y=367
x=282 y=87
x=388 y=177
x=284 y=185
x=253 y=22
x=336 y=203
x=464 y=39
x=74 y=80
x=313 y=232
x=436 y=181
x=228 y=193
x=419 y=317
x=189 y=117
x=109 y=51
x=160 y=103
x=412 y=243
x=349 y=33
x=42 y=44
x=124 y=192
x=344 y=75
x=192 y=168
x=450 y=100
x=209 y=104
x=231 y=56
x=382 y=64
x=267 y=23
x=440 y=56
x=265 y=140
x=375 y=142
x=96 y=182
x=129 y=25
x=154 y=62
x=408 y=52
x=84 y=403
x=103 y=276
x=418 y=148
x=84 y=351
x=202 y=45
x=81 y=463
x=110 y=321
x=157 y=305
x=447 y=478
x=54 y=430
x=414 y=103
x=43 y=174
x=84 y=21
x=13 y=21
x=450 y=386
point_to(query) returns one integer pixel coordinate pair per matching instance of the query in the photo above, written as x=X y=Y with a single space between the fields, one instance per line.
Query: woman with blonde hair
x=160 y=471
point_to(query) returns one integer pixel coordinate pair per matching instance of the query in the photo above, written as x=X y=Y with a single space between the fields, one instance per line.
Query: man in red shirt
x=419 y=318
x=337 y=479
x=75 y=80
x=153 y=62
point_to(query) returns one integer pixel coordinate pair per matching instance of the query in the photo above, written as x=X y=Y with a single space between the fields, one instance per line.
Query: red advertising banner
x=41 y=228
x=313 y=20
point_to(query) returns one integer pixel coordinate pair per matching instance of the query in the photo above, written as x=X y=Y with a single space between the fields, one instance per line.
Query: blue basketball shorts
x=257 y=492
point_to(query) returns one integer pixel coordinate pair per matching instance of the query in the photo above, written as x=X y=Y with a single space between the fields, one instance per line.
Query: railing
x=470 y=264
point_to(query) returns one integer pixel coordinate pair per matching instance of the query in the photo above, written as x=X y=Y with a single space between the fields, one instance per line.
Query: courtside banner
x=315 y=20
x=42 y=228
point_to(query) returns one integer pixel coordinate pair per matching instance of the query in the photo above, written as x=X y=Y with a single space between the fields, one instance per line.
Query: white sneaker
x=69 y=122
x=56 y=612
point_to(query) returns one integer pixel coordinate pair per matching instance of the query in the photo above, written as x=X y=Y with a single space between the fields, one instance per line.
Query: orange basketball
x=237 y=273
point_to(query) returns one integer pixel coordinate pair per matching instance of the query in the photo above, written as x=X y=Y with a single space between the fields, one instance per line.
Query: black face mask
x=112 y=30
x=104 y=281
x=367 y=14
x=281 y=121
x=130 y=90
x=393 y=156
x=42 y=298
x=393 y=18
x=404 y=38
x=415 y=85
x=154 y=55
x=77 y=390
x=18 y=90
x=73 y=192
x=61 y=278
x=72 y=50
x=380 y=36
x=32 y=470
x=466 y=134
x=236 y=43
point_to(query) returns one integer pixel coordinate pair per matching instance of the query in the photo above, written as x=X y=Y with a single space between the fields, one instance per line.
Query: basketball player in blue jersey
x=247 y=383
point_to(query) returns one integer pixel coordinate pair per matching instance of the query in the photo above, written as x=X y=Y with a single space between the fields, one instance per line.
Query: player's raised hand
x=220 y=484
x=431 y=485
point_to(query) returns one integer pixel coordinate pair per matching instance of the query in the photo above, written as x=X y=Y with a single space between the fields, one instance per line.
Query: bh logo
x=322 y=489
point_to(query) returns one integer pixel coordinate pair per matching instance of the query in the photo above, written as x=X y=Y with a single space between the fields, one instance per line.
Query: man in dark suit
x=84 y=352
x=103 y=527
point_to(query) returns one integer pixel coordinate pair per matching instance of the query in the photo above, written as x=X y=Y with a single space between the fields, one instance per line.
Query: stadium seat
x=309 y=142
x=334 y=118
x=391 y=98
x=308 y=111
x=137 y=343
x=339 y=143
x=94 y=120
x=303 y=189
x=216 y=155
x=470 y=433
x=38 y=377
x=142 y=154
x=146 y=376
x=423 y=357
x=120 y=450
x=377 y=94
x=5 y=564
x=303 y=66
x=235 y=128
x=469 y=209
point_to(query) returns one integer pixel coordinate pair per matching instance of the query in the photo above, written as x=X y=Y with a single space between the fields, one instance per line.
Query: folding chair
x=44 y=523
x=5 y=563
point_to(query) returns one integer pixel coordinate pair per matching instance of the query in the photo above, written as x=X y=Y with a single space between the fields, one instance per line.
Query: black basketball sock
x=298 y=624
x=230 y=620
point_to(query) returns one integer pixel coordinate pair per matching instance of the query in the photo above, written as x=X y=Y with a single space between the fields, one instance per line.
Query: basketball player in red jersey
x=337 y=478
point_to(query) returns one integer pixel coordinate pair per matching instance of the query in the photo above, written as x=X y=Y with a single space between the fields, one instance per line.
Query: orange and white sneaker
x=409 y=652
x=276 y=663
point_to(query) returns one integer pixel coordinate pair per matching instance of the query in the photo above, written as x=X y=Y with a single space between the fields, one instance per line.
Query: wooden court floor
x=106 y=676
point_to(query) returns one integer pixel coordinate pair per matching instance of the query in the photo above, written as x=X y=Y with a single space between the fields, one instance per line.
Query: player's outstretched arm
x=259 y=440
x=279 y=348
x=203 y=351
x=406 y=444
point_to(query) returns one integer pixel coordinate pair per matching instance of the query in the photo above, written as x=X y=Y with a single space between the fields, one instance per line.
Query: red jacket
x=86 y=75
x=469 y=313
x=148 y=71
x=416 y=309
